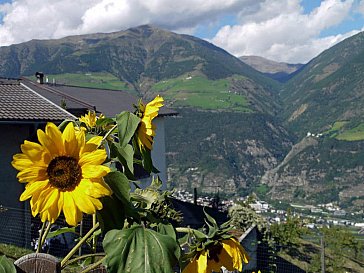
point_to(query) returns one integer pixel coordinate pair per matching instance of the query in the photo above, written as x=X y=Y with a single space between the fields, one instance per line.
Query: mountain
x=328 y=93
x=224 y=152
x=138 y=55
x=323 y=107
x=279 y=71
x=226 y=134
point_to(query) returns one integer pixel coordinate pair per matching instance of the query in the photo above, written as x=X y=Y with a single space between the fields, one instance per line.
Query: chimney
x=40 y=77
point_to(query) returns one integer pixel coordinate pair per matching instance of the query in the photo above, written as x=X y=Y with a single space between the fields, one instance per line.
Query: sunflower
x=227 y=253
x=90 y=119
x=146 y=130
x=63 y=173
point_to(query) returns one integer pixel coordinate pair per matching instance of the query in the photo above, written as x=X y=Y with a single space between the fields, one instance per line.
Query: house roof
x=108 y=102
x=194 y=216
x=20 y=103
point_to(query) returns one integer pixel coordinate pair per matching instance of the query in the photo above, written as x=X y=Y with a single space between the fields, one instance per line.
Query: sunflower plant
x=87 y=166
x=210 y=251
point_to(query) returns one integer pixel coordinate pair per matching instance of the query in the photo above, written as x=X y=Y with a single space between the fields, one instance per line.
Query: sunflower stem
x=93 y=266
x=40 y=238
x=83 y=257
x=45 y=234
x=108 y=133
x=79 y=244
x=190 y=230
x=93 y=237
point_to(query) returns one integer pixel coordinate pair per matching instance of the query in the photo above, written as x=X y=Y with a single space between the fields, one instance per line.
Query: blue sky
x=282 y=30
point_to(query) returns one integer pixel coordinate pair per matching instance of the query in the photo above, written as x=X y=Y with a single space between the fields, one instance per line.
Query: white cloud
x=281 y=31
x=28 y=19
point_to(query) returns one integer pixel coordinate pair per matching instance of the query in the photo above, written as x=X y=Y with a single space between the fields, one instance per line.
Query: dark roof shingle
x=19 y=103
x=108 y=102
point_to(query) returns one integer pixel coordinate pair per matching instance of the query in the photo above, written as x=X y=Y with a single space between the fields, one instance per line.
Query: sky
x=293 y=31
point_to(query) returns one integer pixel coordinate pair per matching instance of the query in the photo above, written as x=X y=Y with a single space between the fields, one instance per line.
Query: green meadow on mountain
x=238 y=130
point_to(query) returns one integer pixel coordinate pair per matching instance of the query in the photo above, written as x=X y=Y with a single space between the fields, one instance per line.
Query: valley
x=238 y=130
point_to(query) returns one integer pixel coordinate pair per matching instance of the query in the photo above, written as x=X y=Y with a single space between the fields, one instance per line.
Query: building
x=22 y=112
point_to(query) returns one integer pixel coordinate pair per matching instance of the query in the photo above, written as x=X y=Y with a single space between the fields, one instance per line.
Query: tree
x=289 y=232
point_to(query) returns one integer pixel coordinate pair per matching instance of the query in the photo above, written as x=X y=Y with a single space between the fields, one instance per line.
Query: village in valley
x=312 y=216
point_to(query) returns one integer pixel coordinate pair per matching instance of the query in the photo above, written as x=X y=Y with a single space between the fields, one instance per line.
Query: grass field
x=196 y=91
x=92 y=80
x=13 y=252
x=201 y=93
x=354 y=134
x=335 y=128
x=340 y=132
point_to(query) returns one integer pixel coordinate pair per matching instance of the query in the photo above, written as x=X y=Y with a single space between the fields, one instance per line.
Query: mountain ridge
x=133 y=54
x=279 y=71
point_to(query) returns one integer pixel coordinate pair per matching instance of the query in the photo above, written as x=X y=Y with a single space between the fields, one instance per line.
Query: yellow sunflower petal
x=92 y=144
x=70 y=141
x=152 y=108
x=89 y=119
x=83 y=202
x=202 y=263
x=143 y=139
x=55 y=134
x=97 y=203
x=36 y=200
x=150 y=131
x=32 y=174
x=51 y=214
x=146 y=128
x=60 y=200
x=49 y=198
x=21 y=161
x=71 y=212
x=95 y=188
x=47 y=142
x=34 y=151
x=94 y=171
x=228 y=262
x=95 y=158
x=81 y=138
x=236 y=255
x=44 y=216
x=31 y=188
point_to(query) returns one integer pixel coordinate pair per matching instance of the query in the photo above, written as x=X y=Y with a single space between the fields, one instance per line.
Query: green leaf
x=112 y=215
x=146 y=197
x=147 y=161
x=6 y=266
x=140 y=250
x=125 y=156
x=120 y=185
x=210 y=219
x=167 y=230
x=61 y=231
x=127 y=125
x=211 y=222
x=104 y=121
x=156 y=183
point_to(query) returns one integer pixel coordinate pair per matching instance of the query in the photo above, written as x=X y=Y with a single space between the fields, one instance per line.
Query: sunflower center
x=64 y=173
